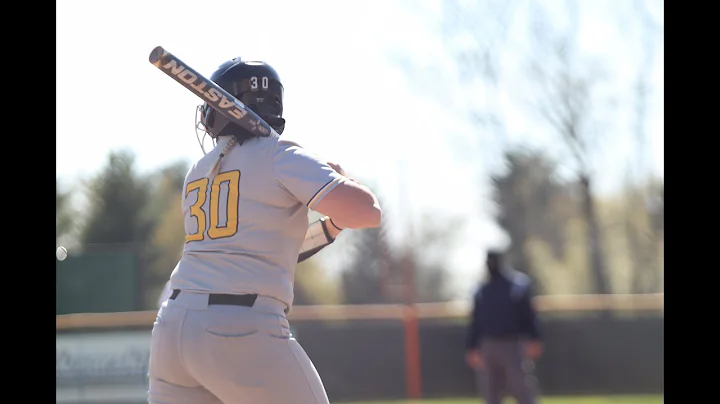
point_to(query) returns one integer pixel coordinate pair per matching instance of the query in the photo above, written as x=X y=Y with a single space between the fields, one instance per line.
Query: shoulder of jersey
x=289 y=143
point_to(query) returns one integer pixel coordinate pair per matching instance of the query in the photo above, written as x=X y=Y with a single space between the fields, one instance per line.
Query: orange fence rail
x=554 y=303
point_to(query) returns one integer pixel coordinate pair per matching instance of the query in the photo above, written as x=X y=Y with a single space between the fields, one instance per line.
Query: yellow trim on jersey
x=233 y=197
x=215 y=230
x=324 y=191
x=196 y=208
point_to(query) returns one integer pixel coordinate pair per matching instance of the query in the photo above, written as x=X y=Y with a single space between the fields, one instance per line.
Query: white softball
x=61 y=253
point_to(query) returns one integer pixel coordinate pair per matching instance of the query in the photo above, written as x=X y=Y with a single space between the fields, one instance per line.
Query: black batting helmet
x=255 y=84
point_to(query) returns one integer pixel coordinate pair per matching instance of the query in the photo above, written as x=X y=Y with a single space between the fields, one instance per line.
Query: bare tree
x=566 y=101
x=642 y=244
x=564 y=89
x=532 y=203
x=381 y=271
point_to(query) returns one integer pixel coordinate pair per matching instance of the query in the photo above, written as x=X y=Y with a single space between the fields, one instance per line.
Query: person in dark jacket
x=503 y=338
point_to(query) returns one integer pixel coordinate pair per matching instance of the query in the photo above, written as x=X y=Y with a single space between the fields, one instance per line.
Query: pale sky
x=345 y=98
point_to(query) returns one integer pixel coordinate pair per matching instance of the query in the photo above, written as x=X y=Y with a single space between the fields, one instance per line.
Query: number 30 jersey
x=244 y=225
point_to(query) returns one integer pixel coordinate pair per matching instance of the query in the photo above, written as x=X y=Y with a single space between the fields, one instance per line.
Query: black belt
x=223 y=299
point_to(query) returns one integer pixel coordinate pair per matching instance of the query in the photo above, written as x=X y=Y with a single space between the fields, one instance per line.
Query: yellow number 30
x=215 y=231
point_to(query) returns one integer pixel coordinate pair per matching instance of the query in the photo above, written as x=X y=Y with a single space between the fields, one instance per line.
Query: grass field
x=546 y=400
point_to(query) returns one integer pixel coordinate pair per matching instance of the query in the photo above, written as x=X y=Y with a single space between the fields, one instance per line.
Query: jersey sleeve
x=302 y=174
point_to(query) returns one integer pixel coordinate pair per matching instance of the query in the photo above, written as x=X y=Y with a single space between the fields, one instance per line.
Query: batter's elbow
x=351 y=205
x=374 y=216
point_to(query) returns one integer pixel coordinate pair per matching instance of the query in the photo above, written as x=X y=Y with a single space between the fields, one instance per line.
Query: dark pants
x=506 y=372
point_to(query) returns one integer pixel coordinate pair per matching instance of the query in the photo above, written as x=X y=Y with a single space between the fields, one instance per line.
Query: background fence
x=361 y=351
x=81 y=283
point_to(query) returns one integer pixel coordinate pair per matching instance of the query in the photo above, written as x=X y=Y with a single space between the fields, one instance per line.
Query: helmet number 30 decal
x=263 y=81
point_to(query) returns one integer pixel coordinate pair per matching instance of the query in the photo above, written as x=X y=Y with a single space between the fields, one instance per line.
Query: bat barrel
x=156 y=56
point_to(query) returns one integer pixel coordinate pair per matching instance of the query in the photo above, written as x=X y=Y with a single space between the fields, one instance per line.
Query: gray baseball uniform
x=244 y=228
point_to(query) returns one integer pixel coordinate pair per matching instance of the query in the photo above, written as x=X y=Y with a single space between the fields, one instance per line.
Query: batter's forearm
x=320 y=234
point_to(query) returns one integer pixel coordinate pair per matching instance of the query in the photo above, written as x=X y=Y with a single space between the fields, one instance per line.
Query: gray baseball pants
x=222 y=354
x=506 y=372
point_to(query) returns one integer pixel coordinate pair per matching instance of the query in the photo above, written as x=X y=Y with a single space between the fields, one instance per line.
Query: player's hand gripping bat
x=210 y=92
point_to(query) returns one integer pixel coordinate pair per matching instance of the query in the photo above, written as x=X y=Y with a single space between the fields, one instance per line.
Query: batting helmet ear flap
x=277 y=122
x=209 y=115
x=210 y=124
x=218 y=125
